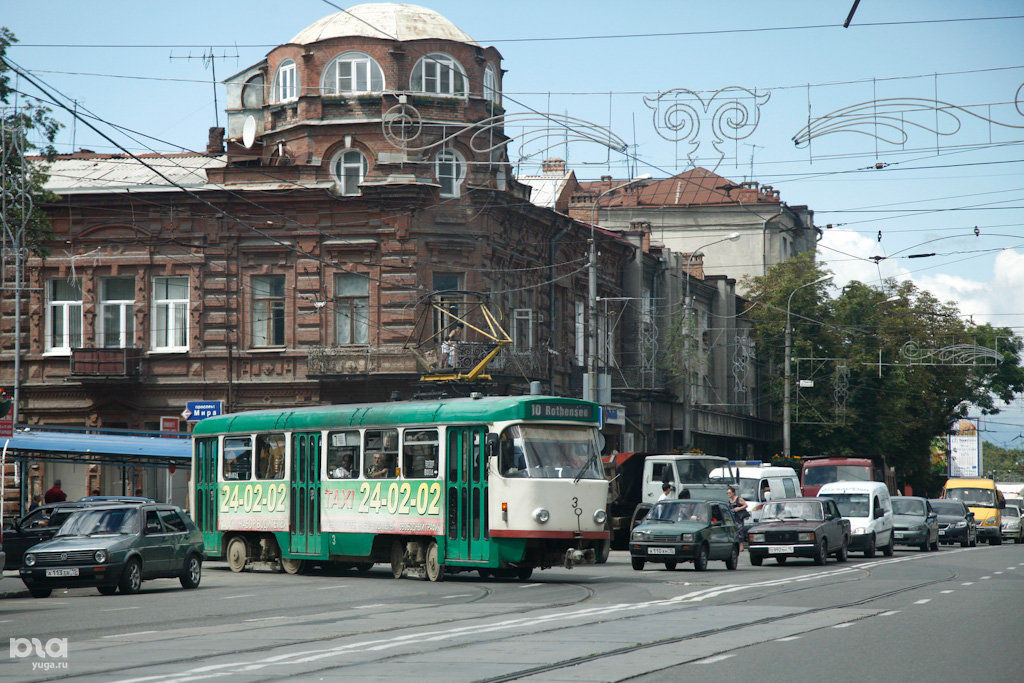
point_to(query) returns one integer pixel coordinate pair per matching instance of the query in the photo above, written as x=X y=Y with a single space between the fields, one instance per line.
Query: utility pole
x=786 y=370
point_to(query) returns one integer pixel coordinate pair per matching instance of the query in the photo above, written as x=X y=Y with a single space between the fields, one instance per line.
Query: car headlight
x=600 y=516
x=541 y=515
x=100 y=556
x=639 y=536
x=30 y=560
x=961 y=524
x=991 y=521
x=859 y=531
x=805 y=536
x=757 y=538
x=686 y=538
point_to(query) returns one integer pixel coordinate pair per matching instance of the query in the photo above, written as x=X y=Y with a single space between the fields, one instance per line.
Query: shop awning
x=119 y=449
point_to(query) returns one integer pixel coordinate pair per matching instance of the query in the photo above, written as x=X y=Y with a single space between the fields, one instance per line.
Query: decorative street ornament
x=891 y=119
x=955 y=355
x=814 y=378
x=734 y=114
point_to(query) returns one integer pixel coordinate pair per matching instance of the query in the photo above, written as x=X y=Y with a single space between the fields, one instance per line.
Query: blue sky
x=928 y=199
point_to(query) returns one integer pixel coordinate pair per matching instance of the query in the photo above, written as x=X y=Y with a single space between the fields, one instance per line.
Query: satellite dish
x=249 y=131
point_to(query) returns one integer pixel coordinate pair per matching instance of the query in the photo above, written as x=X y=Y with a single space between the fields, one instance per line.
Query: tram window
x=237 y=458
x=511 y=461
x=420 y=454
x=381 y=448
x=270 y=456
x=343 y=455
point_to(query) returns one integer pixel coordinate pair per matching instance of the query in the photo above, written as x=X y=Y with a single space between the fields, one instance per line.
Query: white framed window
x=438 y=74
x=63 y=314
x=352 y=73
x=286 y=82
x=491 y=92
x=268 y=310
x=170 y=314
x=349 y=168
x=581 y=332
x=351 y=309
x=117 y=312
x=522 y=329
x=450 y=170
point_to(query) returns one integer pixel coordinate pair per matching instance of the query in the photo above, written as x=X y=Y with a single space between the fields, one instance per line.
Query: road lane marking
x=1011 y=568
x=985 y=577
x=330 y=588
x=233 y=597
x=376 y=604
x=947 y=592
x=532 y=585
x=997 y=572
x=133 y=633
x=889 y=613
x=119 y=609
x=787 y=639
x=266 y=618
x=923 y=601
x=459 y=595
x=967 y=583
x=844 y=625
x=5 y=621
x=712 y=660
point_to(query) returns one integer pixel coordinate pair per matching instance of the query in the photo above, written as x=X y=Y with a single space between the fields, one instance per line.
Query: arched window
x=438 y=74
x=348 y=168
x=450 y=170
x=491 y=92
x=286 y=82
x=352 y=72
x=252 y=93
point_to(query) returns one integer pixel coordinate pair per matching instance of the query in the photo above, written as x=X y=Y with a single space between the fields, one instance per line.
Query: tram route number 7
x=258 y=497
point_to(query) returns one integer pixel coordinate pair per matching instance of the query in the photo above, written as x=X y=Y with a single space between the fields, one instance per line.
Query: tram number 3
x=253 y=498
x=398 y=498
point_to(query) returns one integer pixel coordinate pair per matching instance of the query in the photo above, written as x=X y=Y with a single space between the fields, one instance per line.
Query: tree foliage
x=26 y=128
x=868 y=396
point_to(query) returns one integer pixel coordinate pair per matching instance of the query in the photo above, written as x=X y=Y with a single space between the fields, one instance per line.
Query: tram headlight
x=542 y=515
x=600 y=516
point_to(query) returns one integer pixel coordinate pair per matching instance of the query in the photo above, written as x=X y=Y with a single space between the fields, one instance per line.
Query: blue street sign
x=200 y=410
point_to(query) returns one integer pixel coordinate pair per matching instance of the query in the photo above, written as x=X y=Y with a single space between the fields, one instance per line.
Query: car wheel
x=291 y=565
x=997 y=540
x=638 y=563
x=670 y=565
x=106 y=590
x=820 y=553
x=192 y=574
x=966 y=543
x=843 y=553
x=974 y=542
x=237 y=554
x=756 y=560
x=603 y=551
x=926 y=546
x=888 y=550
x=781 y=559
x=131 y=578
x=397 y=558
x=40 y=592
x=700 y=563
x=870 y=550
x=363 y=567
x=1020 y=538
x=733 y=560
x=433 y=569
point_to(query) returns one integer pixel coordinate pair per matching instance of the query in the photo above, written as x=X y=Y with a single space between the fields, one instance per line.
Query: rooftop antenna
x=753 y=149
x=209 y=60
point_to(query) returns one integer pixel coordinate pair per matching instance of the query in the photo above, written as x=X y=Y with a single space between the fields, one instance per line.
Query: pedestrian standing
x=55 y=494
x=739 y=513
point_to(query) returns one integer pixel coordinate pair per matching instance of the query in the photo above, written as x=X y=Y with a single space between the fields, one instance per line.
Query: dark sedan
x=956 y=522
x=915 y=523
x=799 y=527
x=116 y=548
x=37 y=526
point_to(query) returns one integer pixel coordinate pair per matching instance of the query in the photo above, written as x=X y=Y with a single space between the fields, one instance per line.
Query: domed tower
x=372 y=97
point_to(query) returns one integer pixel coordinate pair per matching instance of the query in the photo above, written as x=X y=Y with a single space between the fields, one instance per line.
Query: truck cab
x=691 y=472
x=820 y=470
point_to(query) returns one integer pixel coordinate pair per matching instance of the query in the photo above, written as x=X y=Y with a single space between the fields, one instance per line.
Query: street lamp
x=789 y=345
x=590 y=393
x=687 y=304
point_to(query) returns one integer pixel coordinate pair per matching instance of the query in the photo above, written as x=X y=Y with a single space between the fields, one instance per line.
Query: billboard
x=965 y=449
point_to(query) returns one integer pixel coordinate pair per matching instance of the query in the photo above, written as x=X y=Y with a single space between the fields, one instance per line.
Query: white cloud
x=843 y=252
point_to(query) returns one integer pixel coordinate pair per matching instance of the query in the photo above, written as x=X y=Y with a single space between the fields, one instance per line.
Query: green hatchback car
x=116 y=548
x=686 y=531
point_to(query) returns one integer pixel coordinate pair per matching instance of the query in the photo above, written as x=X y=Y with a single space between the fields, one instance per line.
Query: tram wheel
x=434 y=570
x=524 y=573
x=397 y=559
x=363 y=567
x=237 y=554
x=291 y=565
x=485 y=573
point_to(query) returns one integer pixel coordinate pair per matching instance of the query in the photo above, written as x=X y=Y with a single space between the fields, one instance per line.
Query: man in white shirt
x=666 y=492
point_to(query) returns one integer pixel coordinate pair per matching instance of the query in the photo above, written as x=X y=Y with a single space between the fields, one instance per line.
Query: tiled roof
x=86 y=172
x=695 y=187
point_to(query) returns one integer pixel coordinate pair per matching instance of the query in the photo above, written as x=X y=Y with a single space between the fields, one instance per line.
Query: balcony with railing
x=106 y=363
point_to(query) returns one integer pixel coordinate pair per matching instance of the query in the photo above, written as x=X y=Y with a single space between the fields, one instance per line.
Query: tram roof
x=483 y=409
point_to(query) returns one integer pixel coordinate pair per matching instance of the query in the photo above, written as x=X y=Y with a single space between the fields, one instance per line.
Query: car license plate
x=900 y=534
x=780 y=549
x=661 y=551
x=72 y=571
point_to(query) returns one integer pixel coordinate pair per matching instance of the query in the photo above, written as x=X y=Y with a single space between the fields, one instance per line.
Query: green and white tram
x=501 y=485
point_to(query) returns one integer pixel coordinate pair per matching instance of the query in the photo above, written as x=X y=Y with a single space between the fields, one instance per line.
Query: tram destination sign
x=561 y=411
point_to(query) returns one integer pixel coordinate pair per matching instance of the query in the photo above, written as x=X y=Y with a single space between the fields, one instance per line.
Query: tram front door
x=305 y=494
x=466 y=474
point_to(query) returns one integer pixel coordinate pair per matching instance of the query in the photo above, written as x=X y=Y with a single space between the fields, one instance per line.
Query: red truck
x=819 y=470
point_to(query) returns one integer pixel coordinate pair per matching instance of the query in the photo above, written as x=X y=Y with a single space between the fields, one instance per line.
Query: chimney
x=643 y=229
x=553 y=166
x=215 y=145
x=606 y=179
x=696 y=268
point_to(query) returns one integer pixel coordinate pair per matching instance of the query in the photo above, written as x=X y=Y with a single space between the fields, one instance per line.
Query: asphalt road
x=951 y=615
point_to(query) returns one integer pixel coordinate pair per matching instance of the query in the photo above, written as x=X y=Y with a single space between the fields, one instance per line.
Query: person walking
x=739 y=513
x=55 y=494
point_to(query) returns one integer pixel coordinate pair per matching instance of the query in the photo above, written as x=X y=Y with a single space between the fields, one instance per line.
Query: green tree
x=883 y=402
x=22 y=182
x=1006 y=464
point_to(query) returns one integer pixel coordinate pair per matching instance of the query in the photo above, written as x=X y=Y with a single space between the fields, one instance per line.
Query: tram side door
x=305 y=494
x=204 y=499
x=466 y=475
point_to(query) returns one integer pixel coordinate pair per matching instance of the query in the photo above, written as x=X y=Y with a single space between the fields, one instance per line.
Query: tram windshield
x=549 y=452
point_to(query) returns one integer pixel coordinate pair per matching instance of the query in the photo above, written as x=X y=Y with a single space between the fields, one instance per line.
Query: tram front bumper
x=575 y=556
